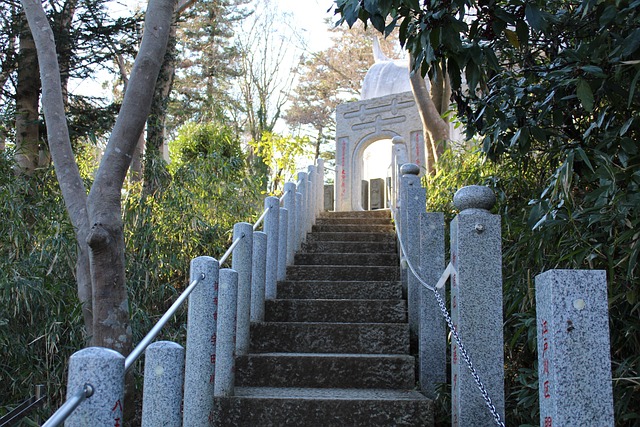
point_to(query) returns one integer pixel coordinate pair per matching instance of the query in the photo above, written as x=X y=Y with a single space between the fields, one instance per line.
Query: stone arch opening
x=359 y=165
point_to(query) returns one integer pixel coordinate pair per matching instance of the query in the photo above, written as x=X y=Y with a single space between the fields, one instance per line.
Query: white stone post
x=413 y=204
x=103 y=369
x=283 y=237
x=300 y=237
x=271 y=227
x=200 y=359
x=476 y=306
x=320 y=187
x=304 y=206
x=398 y=158
x=311 y=195
x=163 y=379
x=242 y=264
x=290 y=205
x=258 y=271
x=432 y=354
x=226 y=344
x=574 y=353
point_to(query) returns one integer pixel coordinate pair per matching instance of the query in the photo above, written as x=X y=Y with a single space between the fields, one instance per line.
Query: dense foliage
x=550 y=91
x=191 y=214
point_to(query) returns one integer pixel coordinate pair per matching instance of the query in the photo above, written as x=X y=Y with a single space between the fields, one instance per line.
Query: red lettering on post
x=547 y=394
x=548 y=422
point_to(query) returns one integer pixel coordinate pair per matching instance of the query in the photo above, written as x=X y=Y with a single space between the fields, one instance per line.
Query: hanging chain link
x=454 y=332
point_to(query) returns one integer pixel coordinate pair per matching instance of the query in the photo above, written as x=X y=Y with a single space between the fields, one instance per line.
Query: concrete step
x=353 y=228
x=345 y=247
x=319 y=258
x=336 y=310
x=351 y=237
x=324 y=337
x=309 y=289
x=341 y=272
x=380 y=213
x=312 y=407
x=354 y=221
x=325 y=370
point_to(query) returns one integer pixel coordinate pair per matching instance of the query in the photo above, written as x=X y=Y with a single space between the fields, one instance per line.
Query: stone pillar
x=283 y=237
x=258 y=271
x=319 y=186
x=311 y=204
x=432 y=353
x=413 y=204
x=398 y=158
x=299 y=218
x=200 y=359
x=328 y=197
x=290 y=205
x=163 y=379
x=242 y=264
x=574 y=362
x=376 y=193
x=343 y=175
x=476 y=306
x=226 y=343
x=103 y=369
x=364 y=195
x=303 y=186
x=271 y=227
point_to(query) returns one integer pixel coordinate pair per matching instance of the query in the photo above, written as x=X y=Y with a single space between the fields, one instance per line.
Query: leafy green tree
x=551 y=87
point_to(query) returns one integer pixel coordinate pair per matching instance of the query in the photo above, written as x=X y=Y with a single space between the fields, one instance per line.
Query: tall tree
x=97 y=216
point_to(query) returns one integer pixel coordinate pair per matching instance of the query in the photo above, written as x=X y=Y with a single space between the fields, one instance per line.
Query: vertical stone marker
x=290 y=205
x=432 y=355
x=163 y=378
x=258 y=270
x=226 y=346
x=200 y=360
x=271 y=227
x=376 y=191
x=574 y=361
x=103 y=369
x=242 y=263
x=283 y=237
x=476 y=307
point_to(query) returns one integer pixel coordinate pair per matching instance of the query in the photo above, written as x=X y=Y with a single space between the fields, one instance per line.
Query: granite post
x=226 y=343
x=290 y=205
x=258 y=271
x=283 y=238
x=163 y=379
x=303 y=187
x=376 y=193
x=103 y=369
x=200 y=358
x=299 y=218
x=414 y=203
x=319 y=186
x=398 y=158
x=432 y=353
x=311 y=177
x=328 y=197
x=574 y=353
x=242 y=264
x=476 y=306
x=271 y=227
x=364 y=194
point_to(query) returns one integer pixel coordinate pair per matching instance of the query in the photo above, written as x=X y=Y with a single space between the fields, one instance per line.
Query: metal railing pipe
x=63 y=412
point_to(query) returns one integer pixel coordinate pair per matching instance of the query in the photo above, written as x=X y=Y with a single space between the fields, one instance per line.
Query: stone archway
x=361 y=123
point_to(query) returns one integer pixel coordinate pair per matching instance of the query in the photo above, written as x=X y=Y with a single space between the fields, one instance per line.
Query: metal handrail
x=69 y=406
x=24 y=408
x=144 y=343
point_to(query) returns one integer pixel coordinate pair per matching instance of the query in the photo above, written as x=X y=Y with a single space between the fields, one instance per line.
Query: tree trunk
x=27 y=99
x=104 y=242
x=435 y=128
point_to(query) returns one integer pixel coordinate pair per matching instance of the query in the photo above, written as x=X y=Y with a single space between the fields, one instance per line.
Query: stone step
x=325 y=370
x=341 y=272
x=336 y=310
x=350 y=237
x=309 y=289
x=346 y=247
x=353 y=228
x=319 y=258
x=354 y=221
x=328 y=407
x=379 y=213
x=322 y=337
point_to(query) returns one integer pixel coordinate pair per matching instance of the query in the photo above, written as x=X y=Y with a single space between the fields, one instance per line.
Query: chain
x=454 y=332
x=463 y=351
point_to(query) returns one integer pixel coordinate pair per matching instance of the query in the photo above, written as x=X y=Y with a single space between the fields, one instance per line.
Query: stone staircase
x=334 y=347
